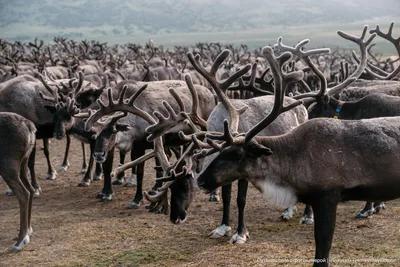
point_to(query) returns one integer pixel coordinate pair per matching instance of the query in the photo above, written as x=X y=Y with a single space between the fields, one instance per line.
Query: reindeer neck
x=344 y=110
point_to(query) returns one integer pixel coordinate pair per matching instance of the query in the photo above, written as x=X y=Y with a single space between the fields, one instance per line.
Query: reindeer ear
x=258 y=149
x=122 y=127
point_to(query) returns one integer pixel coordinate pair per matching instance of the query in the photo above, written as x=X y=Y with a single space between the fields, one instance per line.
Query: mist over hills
x=106 y=19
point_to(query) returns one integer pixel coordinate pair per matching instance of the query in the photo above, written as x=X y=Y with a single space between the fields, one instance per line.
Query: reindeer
x=257 y=107
x=131 y=129
x=321 y=162
x=17 y=139
x=326 y=105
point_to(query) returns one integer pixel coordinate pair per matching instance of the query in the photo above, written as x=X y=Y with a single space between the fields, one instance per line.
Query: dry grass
x=72 y=228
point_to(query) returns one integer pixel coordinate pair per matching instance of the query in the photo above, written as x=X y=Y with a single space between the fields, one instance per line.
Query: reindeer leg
x=24 y=176
x=85 y=182
x=98 y=176
x=378 y=206
x=65 y=163
x=241 y=235
x=84 y=164
x=132 y=181
x=214 y=196
x=224 y=229
x=140 y=172
x=159 y=173
x=308 y=216
x=367 y=211
x=51 y=172
x=31 y=165
x=121 y=177
x=288 y=213
x=107 y=194
x=325 y=219
x=11 y=176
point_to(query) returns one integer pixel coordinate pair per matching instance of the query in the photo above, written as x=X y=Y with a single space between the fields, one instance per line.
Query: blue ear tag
x=338 y=109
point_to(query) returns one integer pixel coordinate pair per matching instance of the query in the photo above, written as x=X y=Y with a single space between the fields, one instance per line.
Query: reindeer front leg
x=224 y=229
x=241 y=235
x=325 y=219
x=107 y=194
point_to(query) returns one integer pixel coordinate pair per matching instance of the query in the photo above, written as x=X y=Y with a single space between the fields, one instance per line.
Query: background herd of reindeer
x=224 y=112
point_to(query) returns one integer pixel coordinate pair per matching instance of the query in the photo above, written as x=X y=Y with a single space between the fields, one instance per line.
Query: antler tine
x=250 y=86
x=166 y=123
x=71 y=107
x=298 y=49
x=54 y=92
x=281 y=81
x=396 y=42
x=226 y=136
x=363 y=62
x=178 y=99
x=194 y=116
x=80 y=82
x=120 y=105
x=171 y=178
x=371 y=69
x=305 y=55
x=219 y=87
x=160 y=194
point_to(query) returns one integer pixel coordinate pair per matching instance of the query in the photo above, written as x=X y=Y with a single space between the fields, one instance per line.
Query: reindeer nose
x=59 y=135
x=99 y=154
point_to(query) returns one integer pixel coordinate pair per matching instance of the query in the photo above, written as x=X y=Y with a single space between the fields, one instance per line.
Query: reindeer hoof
x=134 y=206
x=306 y=220
x=9 y=192
x=288 y=214
x=152 y=192
x=83 y=171
x=118 y=181
x=108 y=197
x=51 y=176
x=379 y=207
x=364 y=214
x=97 y=177
x=220 y=231
x=63 y=168
x=18 y=247
x=84 y=183
x=238 y=239
x=38 y=191
x=132 y=181
x=214 y=197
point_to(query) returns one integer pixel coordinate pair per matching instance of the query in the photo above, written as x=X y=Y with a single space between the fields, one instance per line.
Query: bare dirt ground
x=72 y=228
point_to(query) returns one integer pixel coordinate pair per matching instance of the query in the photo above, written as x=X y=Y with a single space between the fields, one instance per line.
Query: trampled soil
x=73 y=228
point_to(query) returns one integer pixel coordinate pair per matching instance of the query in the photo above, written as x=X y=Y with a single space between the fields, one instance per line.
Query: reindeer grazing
x=131 y=129
x=321 y=162
x=17 y=140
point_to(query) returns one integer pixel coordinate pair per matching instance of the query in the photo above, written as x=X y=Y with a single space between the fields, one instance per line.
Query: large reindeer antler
x=127 y=105
x=230 y=136
x=252 y=80
x=166 y=123
x=396 y=42
x=281 y=81
x=298 y=51
x=221 y=87
x=121 y=104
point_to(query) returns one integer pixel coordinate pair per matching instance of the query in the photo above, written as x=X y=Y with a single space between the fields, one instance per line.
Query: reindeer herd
x=301 y=125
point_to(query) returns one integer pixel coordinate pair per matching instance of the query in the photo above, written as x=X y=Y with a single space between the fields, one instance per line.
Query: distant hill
x=105 y=19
